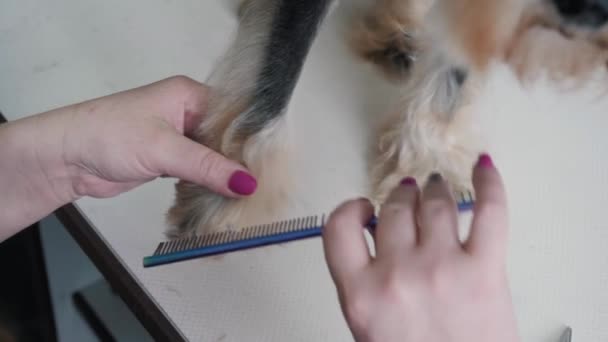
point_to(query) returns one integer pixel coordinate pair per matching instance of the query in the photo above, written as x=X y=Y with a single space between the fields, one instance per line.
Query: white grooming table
x=551 y=147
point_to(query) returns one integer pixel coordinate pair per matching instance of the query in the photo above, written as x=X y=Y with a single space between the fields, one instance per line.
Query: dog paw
x=423 y=145
x=266 y=154
x=455 y=172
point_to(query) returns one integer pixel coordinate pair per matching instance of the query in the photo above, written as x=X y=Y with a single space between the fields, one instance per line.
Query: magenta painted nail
x=242 y=183
x=485 y=161
x=408 y=181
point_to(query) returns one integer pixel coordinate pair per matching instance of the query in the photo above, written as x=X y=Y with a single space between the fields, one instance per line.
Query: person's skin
x=107 y=146
x=424 y=284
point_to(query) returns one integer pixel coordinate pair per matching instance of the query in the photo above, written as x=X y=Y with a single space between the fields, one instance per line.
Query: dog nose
x=570 y=7
x=589 y=13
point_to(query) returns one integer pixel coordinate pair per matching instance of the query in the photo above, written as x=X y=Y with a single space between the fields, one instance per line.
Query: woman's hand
x=124 y=140
x=424 y=284
x=107 y=146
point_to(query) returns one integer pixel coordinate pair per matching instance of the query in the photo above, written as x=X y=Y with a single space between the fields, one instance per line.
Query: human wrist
x=57 y=173
x=33 y=176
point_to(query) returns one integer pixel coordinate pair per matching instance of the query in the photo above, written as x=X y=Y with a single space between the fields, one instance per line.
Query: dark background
x=25 y=307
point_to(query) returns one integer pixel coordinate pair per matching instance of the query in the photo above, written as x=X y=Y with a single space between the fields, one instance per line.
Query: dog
x=437 y=52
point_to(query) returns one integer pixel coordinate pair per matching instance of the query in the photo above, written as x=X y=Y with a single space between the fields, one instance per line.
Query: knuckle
x=439 y=279
x=442 y=277
x=393 y=207
x=208 y=165
x=397 y=210
x=392 y=286
x=335 y=221
x=487 y=278
x=181 y=84
x=396 y=286
x=437 y=207
x=340 y=215
x=487 y=284
x=494 y=282
x=156 y=148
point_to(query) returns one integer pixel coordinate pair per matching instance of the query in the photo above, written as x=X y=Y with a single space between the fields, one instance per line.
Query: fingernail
x=242 y=183
x=485 y=161
x=408 y=181
x=435 y=177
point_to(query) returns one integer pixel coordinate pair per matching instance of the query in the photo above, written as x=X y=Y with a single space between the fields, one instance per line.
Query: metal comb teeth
x=252 y=232
x=464 y=197
x=465 y=200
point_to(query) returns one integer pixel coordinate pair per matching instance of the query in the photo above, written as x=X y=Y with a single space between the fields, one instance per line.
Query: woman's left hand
x=107 y=146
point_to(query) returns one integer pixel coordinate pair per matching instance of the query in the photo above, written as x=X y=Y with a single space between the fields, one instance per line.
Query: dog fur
x=247 y=116
x=437 y=52
x=432 y=129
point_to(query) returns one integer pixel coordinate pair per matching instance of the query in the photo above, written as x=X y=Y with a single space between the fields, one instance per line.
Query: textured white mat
x=550 y=146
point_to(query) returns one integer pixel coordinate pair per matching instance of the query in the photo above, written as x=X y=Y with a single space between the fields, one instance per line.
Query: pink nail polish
x=242 y=183
x=485 y=161
x=408 y=181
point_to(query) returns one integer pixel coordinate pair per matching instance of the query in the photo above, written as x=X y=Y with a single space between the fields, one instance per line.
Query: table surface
x=550 y=145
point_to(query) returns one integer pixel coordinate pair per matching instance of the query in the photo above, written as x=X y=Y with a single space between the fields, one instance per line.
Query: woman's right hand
x=424 y=284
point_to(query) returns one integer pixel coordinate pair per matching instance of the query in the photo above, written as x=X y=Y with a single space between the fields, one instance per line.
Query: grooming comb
x=255 y=236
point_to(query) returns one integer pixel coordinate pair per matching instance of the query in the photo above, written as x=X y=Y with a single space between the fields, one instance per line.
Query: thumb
x=187 y=160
